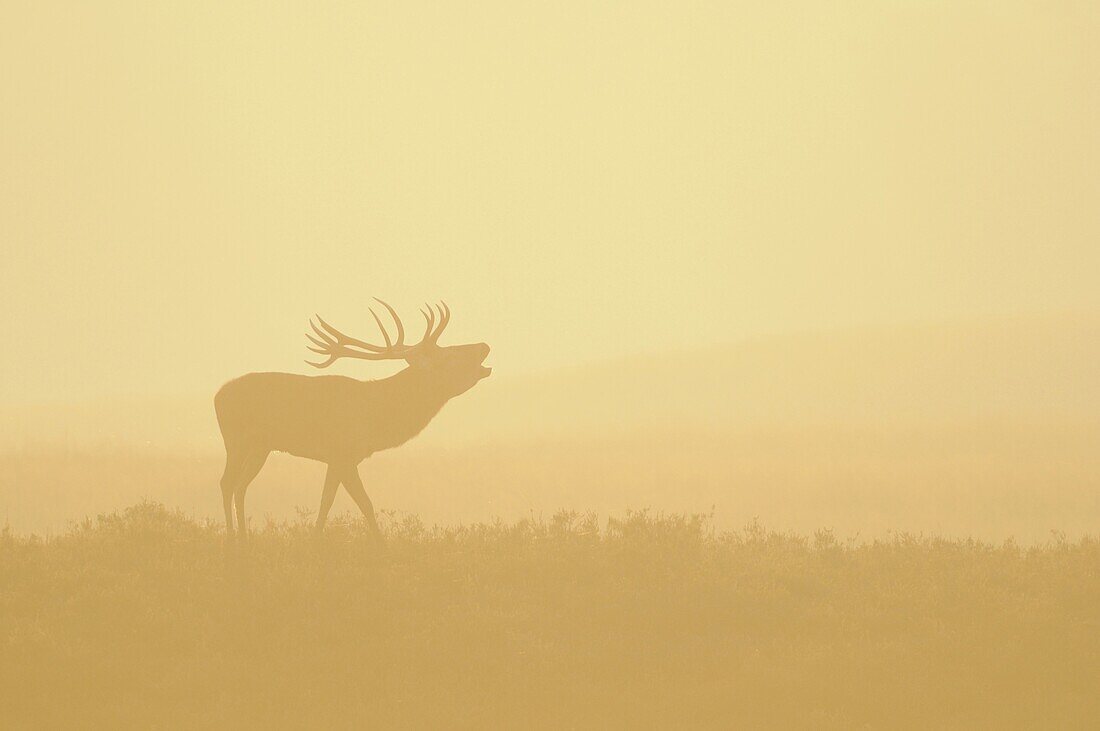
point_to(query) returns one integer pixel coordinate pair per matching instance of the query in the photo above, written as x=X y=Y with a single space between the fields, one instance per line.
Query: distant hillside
x=1010 y=371
x=1005 y=371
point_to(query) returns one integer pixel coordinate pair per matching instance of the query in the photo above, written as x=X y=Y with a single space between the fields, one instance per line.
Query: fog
x=981 y=429
x=779 y=406
x=186 y=185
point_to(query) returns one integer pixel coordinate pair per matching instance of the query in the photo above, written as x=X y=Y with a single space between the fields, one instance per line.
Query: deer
x=337 y=420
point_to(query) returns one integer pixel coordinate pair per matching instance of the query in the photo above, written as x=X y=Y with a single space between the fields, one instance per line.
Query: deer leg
x=354 y=486
x=228 y=482
x=249 y=469
x=227 y=503
x=328 y=494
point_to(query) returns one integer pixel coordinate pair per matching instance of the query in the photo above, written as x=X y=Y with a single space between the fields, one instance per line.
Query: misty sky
x=183 y=186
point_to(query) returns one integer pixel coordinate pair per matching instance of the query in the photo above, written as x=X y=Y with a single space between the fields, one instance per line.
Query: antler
x=431 y=336
x=331 y=342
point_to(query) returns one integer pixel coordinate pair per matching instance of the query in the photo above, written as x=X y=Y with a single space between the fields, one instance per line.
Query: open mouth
x=484 y=370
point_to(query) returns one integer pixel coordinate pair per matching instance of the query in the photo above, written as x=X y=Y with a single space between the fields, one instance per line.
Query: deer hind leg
x=328 y=494
x=250 y=467
x=354 y=486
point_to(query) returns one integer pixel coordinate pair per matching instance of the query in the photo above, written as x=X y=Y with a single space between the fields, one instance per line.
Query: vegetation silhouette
x=641 y=621
x=339 y=420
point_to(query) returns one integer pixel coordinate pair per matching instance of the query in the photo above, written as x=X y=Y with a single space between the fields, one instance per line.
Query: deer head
x=455 y=367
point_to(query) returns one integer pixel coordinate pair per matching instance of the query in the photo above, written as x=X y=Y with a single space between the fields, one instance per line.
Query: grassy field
x=145 y=619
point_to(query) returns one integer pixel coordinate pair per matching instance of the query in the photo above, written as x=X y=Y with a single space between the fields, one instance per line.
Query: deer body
x=337 y=420
x=326 y=418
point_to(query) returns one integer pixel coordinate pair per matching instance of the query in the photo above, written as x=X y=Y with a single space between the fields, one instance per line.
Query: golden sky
x=184 y=184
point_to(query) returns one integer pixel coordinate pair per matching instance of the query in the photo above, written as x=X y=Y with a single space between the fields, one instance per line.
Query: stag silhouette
x=338 y=420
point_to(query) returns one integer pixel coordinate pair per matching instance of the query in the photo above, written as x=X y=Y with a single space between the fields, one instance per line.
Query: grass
x=145 y=619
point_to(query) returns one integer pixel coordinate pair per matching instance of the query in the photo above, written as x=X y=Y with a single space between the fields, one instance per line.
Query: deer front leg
x=354 y=486
x=249 y=469
x=328 y=494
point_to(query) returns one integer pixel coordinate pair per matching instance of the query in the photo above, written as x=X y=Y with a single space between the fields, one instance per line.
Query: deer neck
x=423 y=387
x=399 y=407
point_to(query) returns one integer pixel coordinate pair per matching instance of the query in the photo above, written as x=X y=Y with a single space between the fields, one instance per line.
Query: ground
x=147 y=618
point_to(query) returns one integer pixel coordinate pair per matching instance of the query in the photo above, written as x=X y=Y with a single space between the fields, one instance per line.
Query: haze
x=809 y=238
x=184 y=185
x=794 y=402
